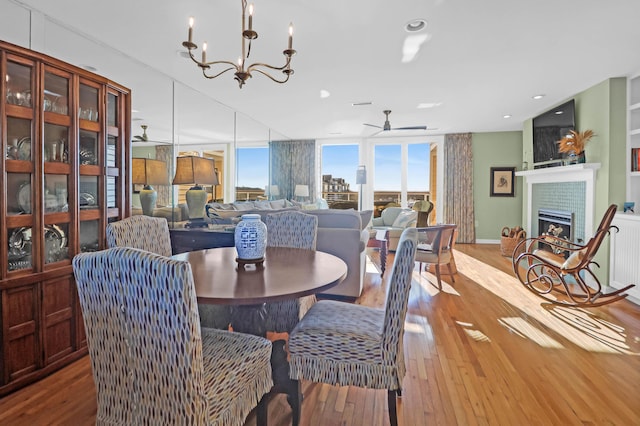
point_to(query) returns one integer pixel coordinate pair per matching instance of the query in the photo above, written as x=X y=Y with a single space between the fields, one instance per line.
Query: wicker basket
x=510 y=239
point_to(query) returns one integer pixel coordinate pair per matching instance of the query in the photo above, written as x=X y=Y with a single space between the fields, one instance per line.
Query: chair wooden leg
x=391 y=401
x=262 y=415
x=438 y=276
x=453 y=280
x=295 y=401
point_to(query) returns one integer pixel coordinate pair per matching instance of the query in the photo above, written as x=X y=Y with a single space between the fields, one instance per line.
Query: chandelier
x=242 y=73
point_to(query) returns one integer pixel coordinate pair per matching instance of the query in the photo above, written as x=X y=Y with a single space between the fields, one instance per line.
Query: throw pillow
x=278 y=204
x=404 y=219
x=262 y=205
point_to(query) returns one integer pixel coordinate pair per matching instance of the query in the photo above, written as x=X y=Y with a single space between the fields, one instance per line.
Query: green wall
x=601 y=108
x=496 y=149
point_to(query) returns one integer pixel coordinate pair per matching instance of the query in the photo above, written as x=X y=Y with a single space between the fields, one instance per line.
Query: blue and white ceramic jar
x=251 y=237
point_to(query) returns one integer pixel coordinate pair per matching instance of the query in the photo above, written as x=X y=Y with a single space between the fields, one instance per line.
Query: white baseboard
x=487 y=241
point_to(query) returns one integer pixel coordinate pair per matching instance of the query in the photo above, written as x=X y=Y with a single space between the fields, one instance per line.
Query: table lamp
x=198 y=171
x=147 y=172
x=301 y=191
x=274 y=192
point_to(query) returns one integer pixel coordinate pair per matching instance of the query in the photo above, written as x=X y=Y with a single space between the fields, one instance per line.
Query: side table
x=380 y=239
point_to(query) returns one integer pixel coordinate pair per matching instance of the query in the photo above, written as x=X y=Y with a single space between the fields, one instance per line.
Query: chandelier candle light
x=242 y=73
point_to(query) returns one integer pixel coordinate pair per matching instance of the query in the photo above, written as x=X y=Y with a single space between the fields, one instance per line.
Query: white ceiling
x=483 y=59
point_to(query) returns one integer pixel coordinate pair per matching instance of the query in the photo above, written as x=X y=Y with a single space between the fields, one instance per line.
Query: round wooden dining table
x=287 y=273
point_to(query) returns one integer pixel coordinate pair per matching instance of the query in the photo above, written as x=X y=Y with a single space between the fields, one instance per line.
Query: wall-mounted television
x=548 y=129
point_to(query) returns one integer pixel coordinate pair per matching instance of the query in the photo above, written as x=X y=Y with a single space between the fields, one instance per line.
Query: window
x=252 y=172
x=401 y=174
x=339 y=165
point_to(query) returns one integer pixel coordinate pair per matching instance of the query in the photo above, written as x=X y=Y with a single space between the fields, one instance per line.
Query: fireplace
x=556 y=223
x=538 y=181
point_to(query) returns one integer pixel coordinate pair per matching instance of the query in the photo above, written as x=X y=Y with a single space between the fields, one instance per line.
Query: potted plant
x=573 y=145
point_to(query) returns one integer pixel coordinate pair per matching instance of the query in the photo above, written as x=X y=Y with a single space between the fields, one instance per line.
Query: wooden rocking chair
x=543 y=269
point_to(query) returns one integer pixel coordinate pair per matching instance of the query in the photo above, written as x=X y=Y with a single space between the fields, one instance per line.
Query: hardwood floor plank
x=480 y=351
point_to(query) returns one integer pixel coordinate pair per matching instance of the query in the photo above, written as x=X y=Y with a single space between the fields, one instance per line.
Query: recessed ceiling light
x=558 y=112
x=335 y=133
x=425 y=105
x=415 y=25
x=361 y=103
x=506 y=116
x=324 y=93
x=537 y=96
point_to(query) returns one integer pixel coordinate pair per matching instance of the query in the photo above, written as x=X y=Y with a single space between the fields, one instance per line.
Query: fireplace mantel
x=585 y=172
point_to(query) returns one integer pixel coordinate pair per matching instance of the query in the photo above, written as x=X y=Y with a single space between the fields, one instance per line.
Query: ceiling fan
x=387 y=126
x=143 y=137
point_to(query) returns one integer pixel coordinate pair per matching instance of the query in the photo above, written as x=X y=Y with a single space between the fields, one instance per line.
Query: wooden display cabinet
x=65 y=136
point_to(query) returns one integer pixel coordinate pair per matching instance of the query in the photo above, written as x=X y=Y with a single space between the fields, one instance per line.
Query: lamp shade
x=191 y=169
x=198 y=171
x=301 y=191
x=361 y=175
x=146 y=171
x=274 y=191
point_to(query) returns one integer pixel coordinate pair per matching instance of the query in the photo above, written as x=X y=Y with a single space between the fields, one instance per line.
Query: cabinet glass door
x=89 y=235
x=88 y=109
x=19 y=194
x=56 y=94
x=18 y=81
x=56 y=143
x=88 y=198
x=19 y=144
x=88 y=150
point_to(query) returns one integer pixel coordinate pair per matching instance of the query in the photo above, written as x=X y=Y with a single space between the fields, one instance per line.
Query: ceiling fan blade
x=411 y=128
x=372 y=125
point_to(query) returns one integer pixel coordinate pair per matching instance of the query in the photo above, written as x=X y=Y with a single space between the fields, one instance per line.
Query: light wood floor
x=483 y=351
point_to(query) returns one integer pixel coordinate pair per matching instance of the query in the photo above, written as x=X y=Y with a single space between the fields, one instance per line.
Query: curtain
x=458 y=185
x=165 y=153
x=293 y=163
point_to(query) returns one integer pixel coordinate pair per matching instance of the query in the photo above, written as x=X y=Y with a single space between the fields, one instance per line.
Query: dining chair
x=141 y=232
x=435 y=247
x=152 y=234
x=292 y=229
x=152 y=363
x=345 y=344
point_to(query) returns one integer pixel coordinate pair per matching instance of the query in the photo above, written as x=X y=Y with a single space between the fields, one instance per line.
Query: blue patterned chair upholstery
x=151 y=361
x=353 y=345
x=152 y=234
x=295 y=230
x=141 y=232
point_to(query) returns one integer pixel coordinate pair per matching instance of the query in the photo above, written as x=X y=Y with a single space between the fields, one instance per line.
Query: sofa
x=226 y=213
x=395 y=220
x=172 y=214
x=341 y=233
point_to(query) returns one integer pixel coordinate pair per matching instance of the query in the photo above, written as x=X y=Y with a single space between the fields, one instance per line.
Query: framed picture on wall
x=502 y=179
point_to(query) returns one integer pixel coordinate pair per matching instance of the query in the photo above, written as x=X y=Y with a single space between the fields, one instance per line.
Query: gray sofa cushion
x=337 y=218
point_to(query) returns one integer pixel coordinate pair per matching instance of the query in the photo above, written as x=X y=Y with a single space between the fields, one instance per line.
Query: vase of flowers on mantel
x=573 y=144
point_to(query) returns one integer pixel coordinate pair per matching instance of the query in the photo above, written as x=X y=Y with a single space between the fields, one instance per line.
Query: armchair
x=543 y=269
x=395 y=220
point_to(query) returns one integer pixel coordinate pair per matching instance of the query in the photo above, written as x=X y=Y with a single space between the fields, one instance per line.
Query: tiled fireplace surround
x=569 y=188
